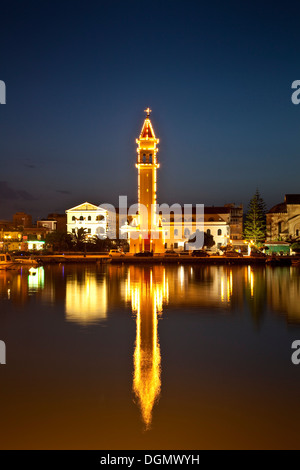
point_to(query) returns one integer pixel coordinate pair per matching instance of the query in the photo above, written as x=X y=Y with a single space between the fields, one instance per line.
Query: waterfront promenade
x=162 y=259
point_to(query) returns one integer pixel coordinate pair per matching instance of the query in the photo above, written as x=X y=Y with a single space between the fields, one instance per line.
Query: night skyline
x=218 y=79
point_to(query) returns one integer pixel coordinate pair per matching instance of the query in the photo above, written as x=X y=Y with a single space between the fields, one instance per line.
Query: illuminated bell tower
x=150 y=233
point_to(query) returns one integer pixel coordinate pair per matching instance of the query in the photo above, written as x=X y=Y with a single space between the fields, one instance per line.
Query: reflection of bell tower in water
x=147 y=289
x=149 y=236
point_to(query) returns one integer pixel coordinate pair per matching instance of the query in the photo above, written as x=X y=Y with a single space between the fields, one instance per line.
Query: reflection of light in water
x=181 y=275
x=250 y=279
x=283 y=292
x=228 y=289
x=252 y=283
x=86 y=299
x=222 y=289
x=36 y=279
x=8 y=294
x=147 y=295
x=226 y=284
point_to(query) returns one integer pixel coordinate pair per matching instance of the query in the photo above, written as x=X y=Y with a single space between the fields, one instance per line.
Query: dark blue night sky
x=79 y=74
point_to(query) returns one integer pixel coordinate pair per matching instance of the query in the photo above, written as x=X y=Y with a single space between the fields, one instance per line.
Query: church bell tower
x=151 y=234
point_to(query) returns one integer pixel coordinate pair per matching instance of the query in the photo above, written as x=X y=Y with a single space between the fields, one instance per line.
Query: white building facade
x=92 y=218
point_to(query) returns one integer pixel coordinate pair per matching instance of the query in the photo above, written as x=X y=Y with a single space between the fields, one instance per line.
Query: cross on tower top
x=148 y=111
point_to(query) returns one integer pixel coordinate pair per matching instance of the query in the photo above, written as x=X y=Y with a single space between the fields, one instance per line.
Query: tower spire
x=147 y=129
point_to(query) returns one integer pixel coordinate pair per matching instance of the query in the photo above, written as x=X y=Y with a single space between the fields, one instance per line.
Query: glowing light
x=181 y=275
x=86 y=300
x=252 y=283
x=148 y=295
x=222 y=289
x=36 y=279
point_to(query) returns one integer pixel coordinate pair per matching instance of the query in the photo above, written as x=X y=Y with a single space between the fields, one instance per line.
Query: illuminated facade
x=89 y=217
x=283 y=220
x=145 y=232
x=10 y=240
x=180 y=228
x=150 y=231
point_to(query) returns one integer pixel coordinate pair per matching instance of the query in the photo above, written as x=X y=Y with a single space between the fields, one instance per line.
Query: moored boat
x=27 y=261
x=6 y=262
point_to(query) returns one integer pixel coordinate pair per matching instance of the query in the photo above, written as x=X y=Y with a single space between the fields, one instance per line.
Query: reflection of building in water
x=283 y=292
x=36 y=279
x=14 y=285
x=256 y=291
x=147 y=290
x=213 y=287
x=86 y=297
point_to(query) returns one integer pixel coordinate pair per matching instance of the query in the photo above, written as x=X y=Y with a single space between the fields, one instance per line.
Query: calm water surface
x=128 y=357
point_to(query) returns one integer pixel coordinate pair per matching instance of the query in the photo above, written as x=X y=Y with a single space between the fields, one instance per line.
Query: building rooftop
x=278 y=209
x=216 y=210
x=292 y=199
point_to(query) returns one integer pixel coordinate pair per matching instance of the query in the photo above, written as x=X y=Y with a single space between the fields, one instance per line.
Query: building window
x=73 y=218
x=89 y=230
x=166 y=245
x=219 y=232
x=187 y=233
x=175 y=245
x=81 y=218
x=208 y=231
x=176 y=231
x=150 y=158
x=144 y=158
x=89 y=218
x=99 y=217
x=73 y=230
x=297 y=233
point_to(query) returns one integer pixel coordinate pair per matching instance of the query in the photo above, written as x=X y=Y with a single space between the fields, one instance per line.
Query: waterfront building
x=283 y=220
x=22 y=220
x=61 y=221
x=33 y=238
x=10 y=240
x=93 y=219
x=179 y=229
x=236 y=222
x=50 y=225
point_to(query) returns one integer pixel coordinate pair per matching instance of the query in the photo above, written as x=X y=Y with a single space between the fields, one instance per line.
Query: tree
x=59 y=241
x=208 y=240
x=98 y=244
x=79 y=239
x=296 y=247
x=255 y=224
